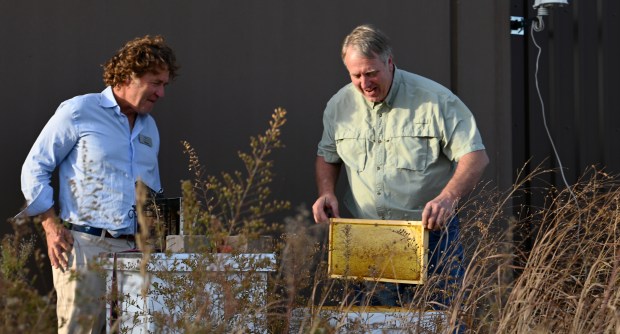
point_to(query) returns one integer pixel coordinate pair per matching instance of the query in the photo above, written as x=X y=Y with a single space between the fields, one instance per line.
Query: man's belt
x=99 y=231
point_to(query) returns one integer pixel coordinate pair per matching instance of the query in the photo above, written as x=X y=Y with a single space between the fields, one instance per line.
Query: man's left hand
x=468 y=171
x=437 y=212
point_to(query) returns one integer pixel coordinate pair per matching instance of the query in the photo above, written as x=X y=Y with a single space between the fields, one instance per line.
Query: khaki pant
x=81 y=288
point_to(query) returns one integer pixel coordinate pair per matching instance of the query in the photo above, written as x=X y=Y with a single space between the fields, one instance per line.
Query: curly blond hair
x=139 y=56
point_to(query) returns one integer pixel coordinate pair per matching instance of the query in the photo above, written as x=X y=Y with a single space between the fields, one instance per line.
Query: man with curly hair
x=103 y=144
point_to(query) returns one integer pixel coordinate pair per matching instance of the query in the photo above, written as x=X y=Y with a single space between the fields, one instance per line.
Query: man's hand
x=324 y=208
x=326 y=177
x=59 y=240
x=468 y=172
x=437 y=212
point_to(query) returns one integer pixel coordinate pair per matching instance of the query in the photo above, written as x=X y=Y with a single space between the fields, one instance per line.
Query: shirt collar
x=107 y=99
x=396 y=81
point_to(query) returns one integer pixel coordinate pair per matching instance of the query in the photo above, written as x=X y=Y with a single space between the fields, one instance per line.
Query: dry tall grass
x=566 y=283
x=569 y=283
x=23 y=308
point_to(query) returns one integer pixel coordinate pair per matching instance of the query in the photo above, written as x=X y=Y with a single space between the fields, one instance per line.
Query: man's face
x=141 y=93
x=372 y=77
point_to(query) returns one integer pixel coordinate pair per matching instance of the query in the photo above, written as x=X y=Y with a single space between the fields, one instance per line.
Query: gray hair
x=368 y=40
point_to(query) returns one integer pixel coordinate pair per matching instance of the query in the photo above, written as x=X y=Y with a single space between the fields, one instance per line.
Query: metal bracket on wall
x=517 y=25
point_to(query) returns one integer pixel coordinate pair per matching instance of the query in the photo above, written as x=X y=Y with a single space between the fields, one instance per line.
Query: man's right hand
x=59 y=240
x=324 y=208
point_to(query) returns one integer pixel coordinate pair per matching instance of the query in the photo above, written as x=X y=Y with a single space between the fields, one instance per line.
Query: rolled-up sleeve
x=459 y=127
x=327 y=145
x=54 y=143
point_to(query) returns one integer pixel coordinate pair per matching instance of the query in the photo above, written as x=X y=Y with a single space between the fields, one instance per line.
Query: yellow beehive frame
x=393 y=251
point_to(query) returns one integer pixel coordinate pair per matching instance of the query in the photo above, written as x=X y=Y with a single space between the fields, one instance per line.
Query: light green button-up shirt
x=400 y=153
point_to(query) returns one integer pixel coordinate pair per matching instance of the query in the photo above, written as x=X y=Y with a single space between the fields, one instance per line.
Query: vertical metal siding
x=578 y=79
x=578 y=73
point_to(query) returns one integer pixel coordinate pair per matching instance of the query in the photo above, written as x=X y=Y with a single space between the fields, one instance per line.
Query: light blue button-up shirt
x=99 y=160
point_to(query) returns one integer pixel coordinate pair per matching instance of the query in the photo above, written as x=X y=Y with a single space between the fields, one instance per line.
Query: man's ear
x=130 y=78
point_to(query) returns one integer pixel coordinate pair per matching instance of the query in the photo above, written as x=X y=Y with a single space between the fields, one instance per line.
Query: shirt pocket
x=146 y=164
x=351 y=147
x=415 y=147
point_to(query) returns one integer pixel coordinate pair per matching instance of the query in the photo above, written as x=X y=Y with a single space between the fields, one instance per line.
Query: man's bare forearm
x=468 y=172
x=326 y=176
x=326 y=205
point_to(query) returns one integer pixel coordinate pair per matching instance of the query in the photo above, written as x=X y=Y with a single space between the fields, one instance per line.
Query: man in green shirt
x=409 y=146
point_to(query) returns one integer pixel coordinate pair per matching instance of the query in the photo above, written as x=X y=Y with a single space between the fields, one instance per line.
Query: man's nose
x=160 y=91
x=364 y=82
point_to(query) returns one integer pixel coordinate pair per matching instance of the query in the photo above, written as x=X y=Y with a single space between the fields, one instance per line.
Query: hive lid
x=393 y=251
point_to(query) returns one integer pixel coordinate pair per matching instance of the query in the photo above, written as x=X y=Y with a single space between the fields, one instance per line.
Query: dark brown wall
x=240 y=60
x=578 y=74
